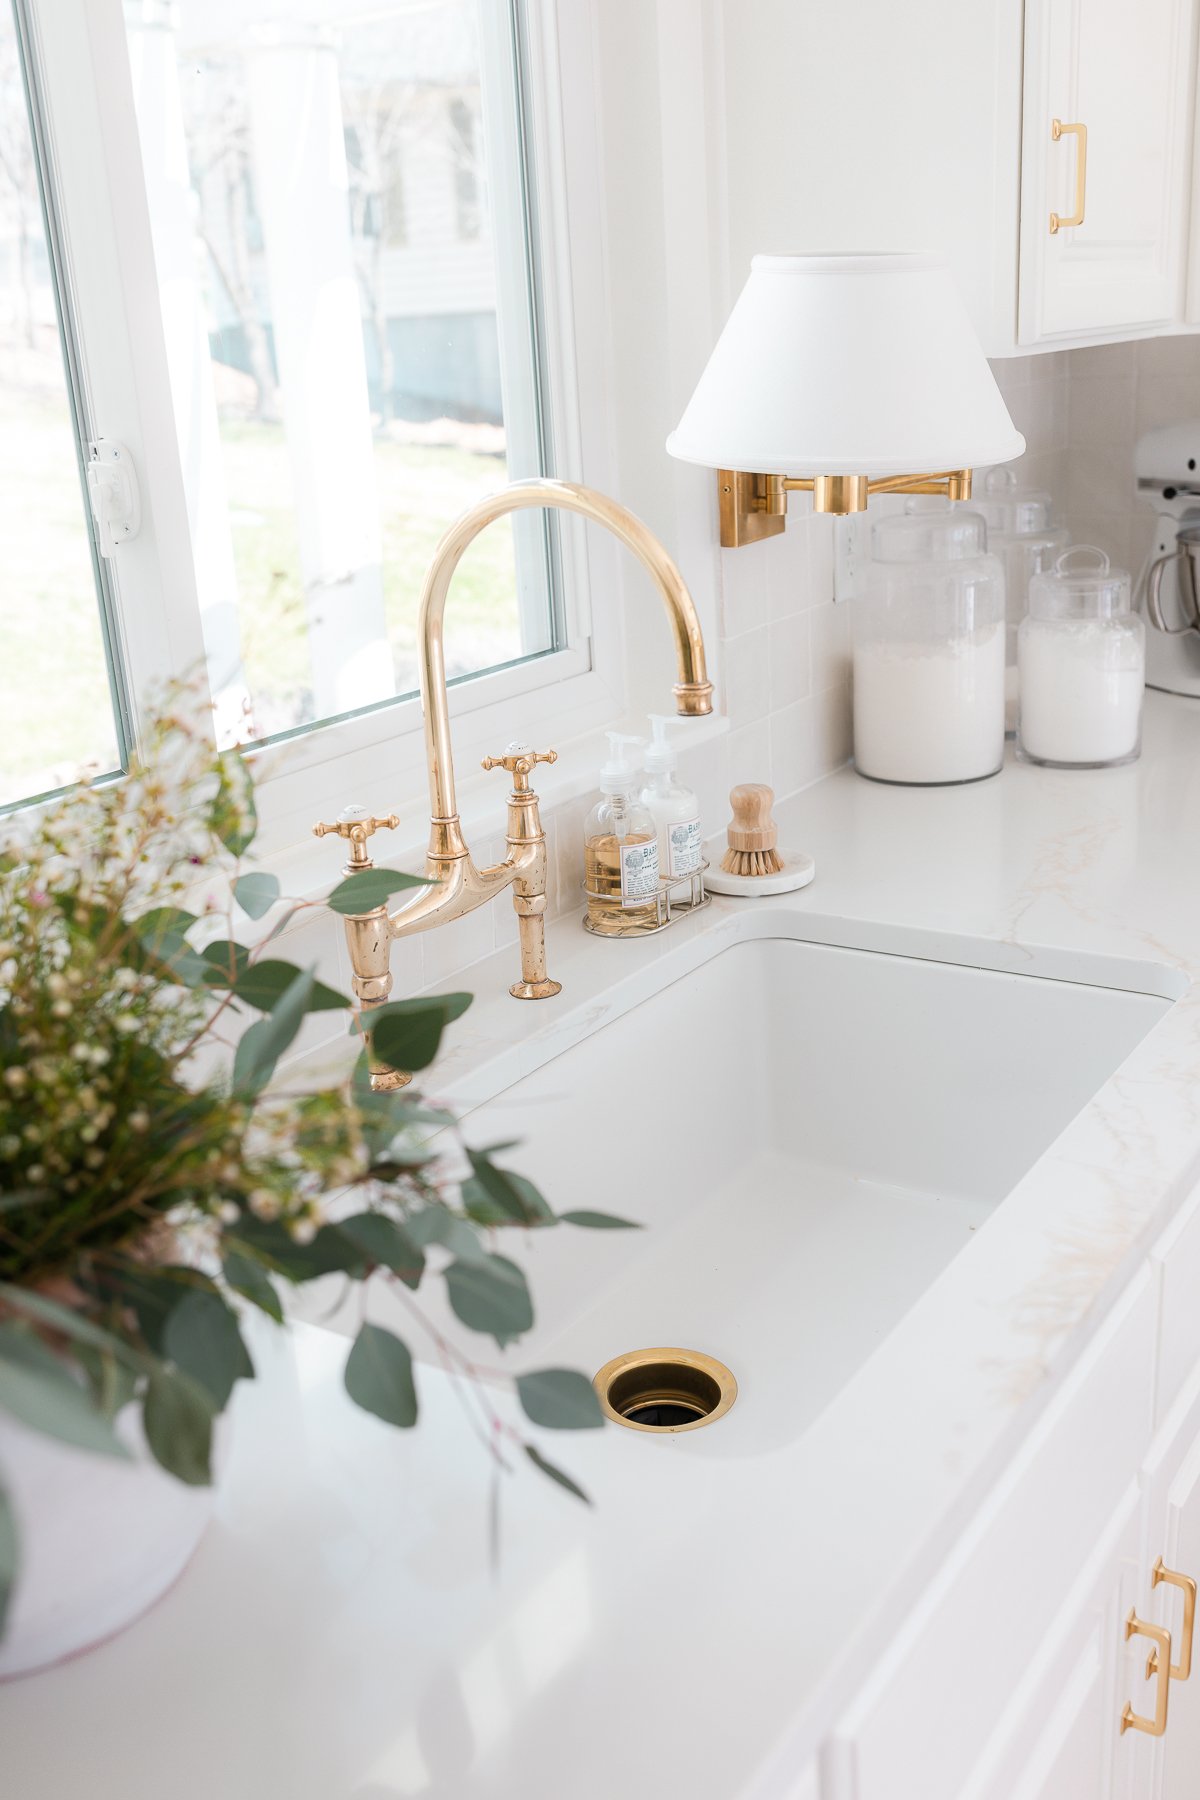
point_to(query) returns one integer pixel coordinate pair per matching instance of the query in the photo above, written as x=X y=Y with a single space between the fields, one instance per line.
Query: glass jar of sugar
x=1021 y=533
x=929 y=650
x=1081 y=664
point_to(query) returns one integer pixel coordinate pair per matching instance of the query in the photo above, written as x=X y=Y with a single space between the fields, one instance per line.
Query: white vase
x=100 y=1540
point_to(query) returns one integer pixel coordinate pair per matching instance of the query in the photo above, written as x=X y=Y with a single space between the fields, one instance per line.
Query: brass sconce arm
x=753 y=507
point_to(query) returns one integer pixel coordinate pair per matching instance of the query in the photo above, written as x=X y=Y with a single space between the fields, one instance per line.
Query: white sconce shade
x=847 y=365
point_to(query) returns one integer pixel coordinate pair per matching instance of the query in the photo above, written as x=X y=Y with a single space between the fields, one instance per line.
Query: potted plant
x=154 y=1184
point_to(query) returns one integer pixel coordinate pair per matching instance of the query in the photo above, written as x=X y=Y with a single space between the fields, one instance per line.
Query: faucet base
x=535 y=990
x=386 y=1081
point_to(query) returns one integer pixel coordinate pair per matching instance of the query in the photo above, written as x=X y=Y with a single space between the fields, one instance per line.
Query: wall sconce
x=832 y=366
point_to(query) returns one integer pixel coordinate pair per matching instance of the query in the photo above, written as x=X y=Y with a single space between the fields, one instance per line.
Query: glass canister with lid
x=1022 y=534
x=929 y=650
x=1082 y=665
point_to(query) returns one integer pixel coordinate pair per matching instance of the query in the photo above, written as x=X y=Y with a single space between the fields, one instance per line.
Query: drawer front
x=1176 y=1261
x=937 y=1698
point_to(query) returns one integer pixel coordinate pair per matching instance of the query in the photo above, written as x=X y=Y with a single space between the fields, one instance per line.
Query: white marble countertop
x=340 y=1635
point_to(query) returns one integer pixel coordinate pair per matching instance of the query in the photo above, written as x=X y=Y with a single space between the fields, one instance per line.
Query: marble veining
x=349 y=1567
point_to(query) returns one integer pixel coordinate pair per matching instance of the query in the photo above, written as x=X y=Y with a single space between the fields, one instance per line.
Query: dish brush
x=753 y=863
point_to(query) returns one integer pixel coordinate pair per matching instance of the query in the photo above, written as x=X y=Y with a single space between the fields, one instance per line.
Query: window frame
x=376 y=757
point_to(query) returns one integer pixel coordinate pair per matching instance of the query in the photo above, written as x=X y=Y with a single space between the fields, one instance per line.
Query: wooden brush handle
x=752 y=827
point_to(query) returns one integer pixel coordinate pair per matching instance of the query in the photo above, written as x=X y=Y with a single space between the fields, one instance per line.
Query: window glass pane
x=56 y=715
x=341 y=235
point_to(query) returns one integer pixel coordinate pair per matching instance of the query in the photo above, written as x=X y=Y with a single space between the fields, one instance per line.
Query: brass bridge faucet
x=457 y=886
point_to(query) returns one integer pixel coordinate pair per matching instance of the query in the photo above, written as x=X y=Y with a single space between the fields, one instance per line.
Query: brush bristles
x=752 y=862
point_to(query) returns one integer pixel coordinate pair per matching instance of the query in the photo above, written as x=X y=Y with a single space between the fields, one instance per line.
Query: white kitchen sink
x=808 y=1134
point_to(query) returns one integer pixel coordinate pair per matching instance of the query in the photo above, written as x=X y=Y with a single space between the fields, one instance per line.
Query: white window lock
x=113 y=492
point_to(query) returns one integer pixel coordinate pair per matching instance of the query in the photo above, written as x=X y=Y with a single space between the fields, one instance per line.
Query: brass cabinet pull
x=1183 y=1668
x=1059 y=130
x=1158 y=1663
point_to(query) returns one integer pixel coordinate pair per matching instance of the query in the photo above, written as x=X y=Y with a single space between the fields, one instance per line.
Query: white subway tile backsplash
x=1116 y=392
x=749 y=759
x=744 y=588
x=820 y=559
x=447 y=949
x=793 y=746
x=1104 y=359
x=747 y=676
x=1102 y=409
x=790 y=658
x=1166 y=399
x=787 y=569
x=830 y=631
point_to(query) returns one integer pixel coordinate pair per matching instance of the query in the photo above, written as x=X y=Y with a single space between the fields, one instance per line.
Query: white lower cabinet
x=1170 y=1766
x=1070 y=1598
x=1053 y=1553
x=1054 y=1739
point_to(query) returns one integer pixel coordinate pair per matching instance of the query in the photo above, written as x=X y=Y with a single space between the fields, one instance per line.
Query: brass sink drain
x=665 y=1389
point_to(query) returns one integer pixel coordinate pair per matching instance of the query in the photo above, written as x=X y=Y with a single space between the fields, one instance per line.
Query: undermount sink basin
x=809 y=1134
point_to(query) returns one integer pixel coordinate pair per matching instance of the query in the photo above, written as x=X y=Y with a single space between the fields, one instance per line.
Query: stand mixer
x=1167 y=466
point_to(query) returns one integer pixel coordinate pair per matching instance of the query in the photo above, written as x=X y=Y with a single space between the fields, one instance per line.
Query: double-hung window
x=288 y=260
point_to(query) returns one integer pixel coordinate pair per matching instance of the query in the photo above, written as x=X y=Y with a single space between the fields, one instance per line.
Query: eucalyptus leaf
x=406 y=1033
x=178 y=1417
x=159 y=946
x=598 y=1221
x=490 y=1295
x=71 y=1323
x=561 y=1399
x=8 y=1555
x=362 y=893
x=547 y=1468
x=37 y=1389
x=202 y=1338
x=151 y=1294
x=379 y=1376
x=516 y=1197
x=227 y=960
x=479 y=1207
x=112 y=1384
x=384 y=1241
x=435 y=1224
x=263 y=1043
x=164 y=928
x=330 y=1253
x=263 y=984
x=256 y=893
x=248 y=1278
x=232 y=813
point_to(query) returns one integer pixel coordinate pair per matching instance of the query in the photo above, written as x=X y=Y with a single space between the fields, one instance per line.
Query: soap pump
x=674 y=808
x=620 y=849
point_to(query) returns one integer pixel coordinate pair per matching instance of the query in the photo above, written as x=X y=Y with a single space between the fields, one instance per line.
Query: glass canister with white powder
x=929 y=651
x=1021 y=533
x=1081 y=656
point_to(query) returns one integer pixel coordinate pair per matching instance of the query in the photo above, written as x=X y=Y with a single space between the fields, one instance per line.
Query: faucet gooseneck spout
x=456 y=885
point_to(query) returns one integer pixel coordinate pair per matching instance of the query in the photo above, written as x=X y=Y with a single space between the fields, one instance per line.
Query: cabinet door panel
x=1173 y=1482
x=1056 y=1738
x=1126 y=73
x=1002 y=1587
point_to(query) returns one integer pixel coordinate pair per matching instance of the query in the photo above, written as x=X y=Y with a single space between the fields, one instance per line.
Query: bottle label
x=639 y=870
x=684 y=848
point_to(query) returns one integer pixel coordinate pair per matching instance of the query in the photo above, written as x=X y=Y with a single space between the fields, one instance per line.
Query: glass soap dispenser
x=674 y=808
x=620 y=849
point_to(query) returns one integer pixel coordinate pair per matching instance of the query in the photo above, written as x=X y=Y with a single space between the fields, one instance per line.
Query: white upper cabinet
x=868 y=125
x=1119 y=82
